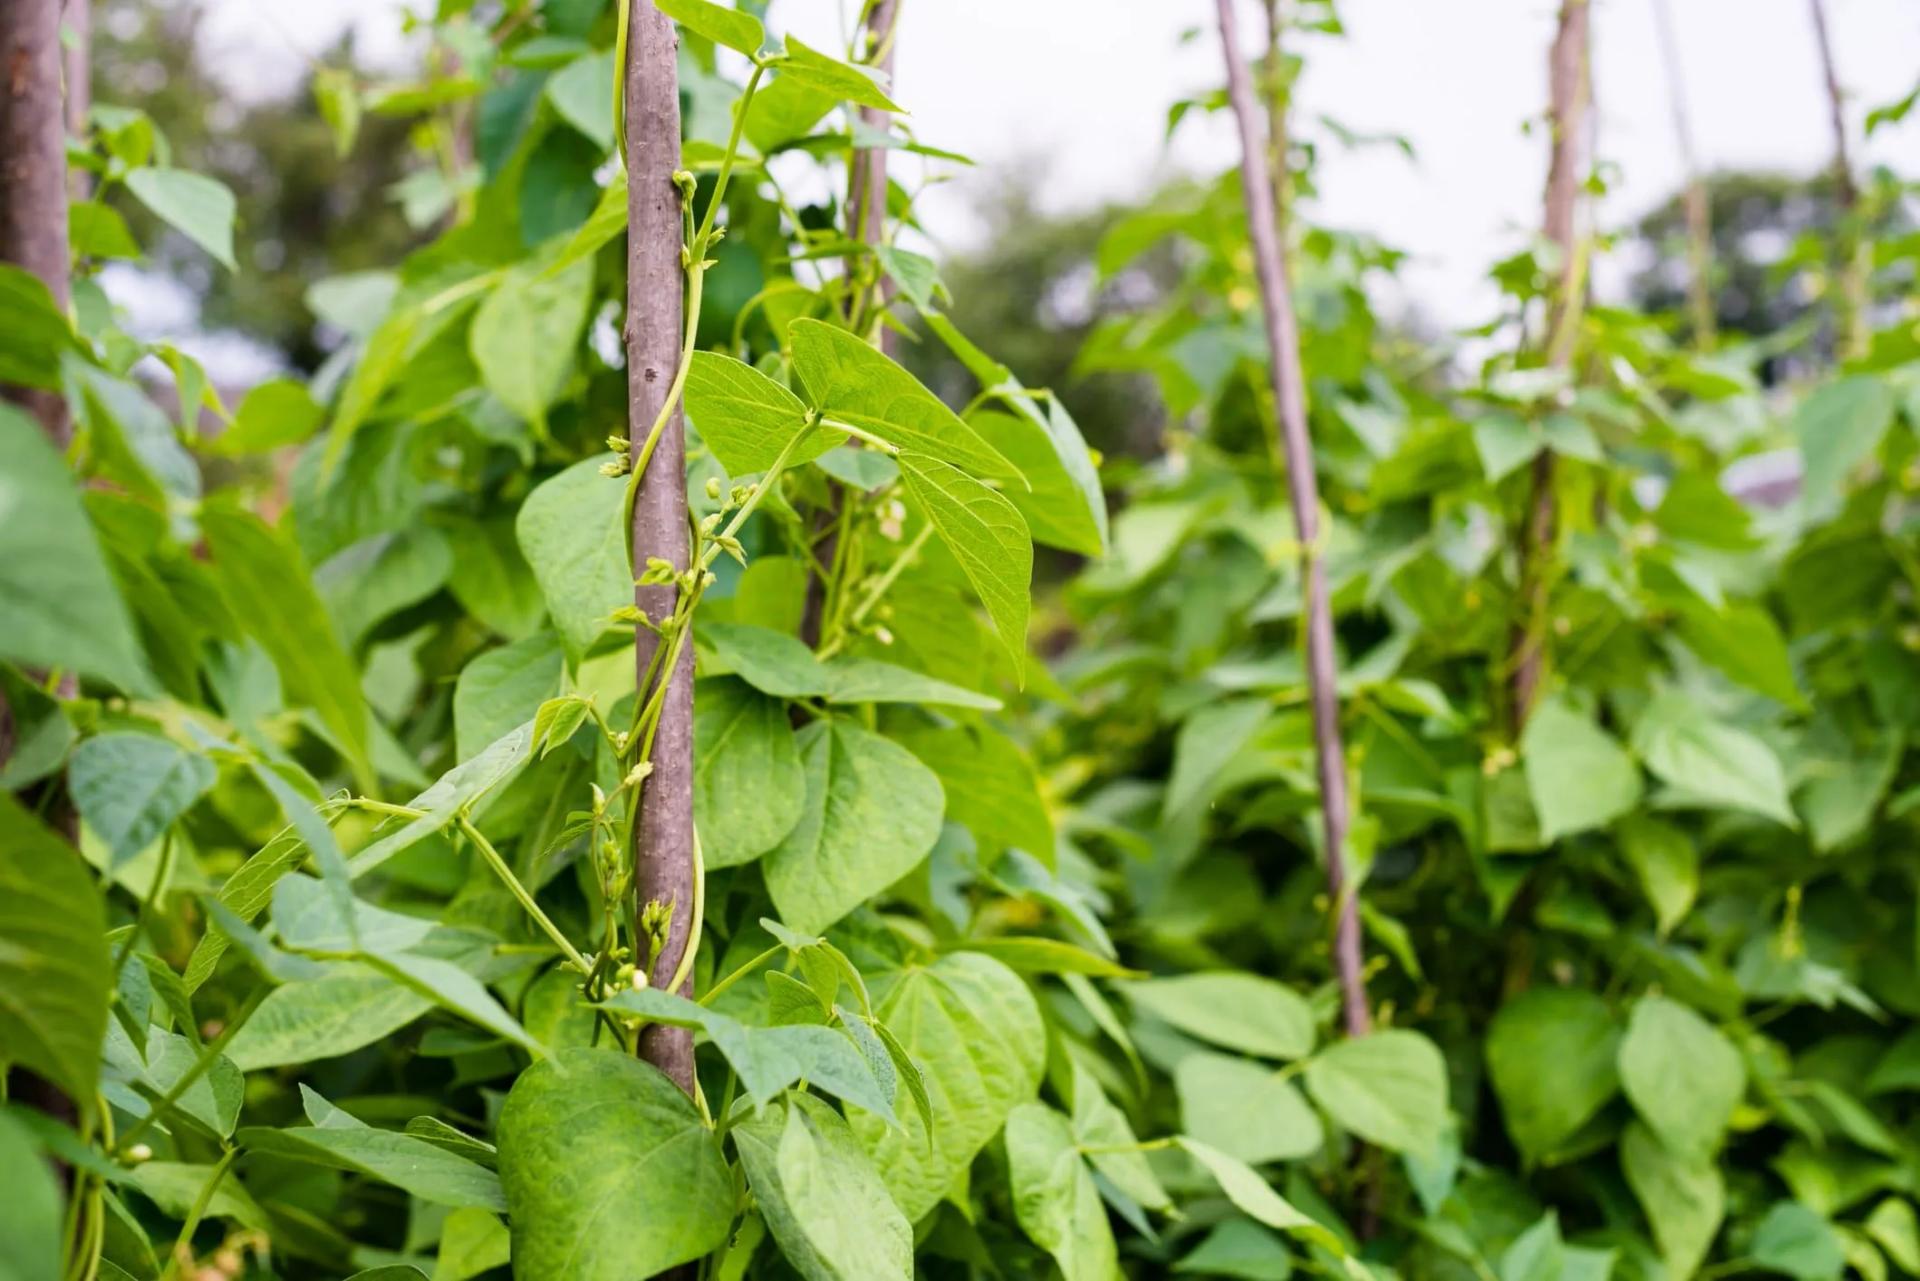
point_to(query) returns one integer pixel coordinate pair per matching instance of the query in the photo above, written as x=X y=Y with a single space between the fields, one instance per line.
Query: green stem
x=878 y=590
x=145 y=915
x=727 y=982
x=198 y=1212
x=208 y=1053
x=519 y=891
x=886 y=447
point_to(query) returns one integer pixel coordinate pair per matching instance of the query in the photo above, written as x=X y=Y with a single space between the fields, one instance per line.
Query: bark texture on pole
x=33 y=171
x=1849 y=246
x=1283 y=350
x=1569 y=99
x=663 y=853
x=1698 y=212
x=867 y=177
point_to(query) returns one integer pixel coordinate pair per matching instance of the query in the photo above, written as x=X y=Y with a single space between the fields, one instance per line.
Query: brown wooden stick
x=1283 y=350
x=663 y=837
x=1569 y=93
x=866 y=222
x=1849 y=248
x=1698 y=211
x=33 y=172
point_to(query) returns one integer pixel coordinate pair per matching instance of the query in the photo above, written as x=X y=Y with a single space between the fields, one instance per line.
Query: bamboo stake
x=33 y=172
x=1569 y=99
x=663 y=835
x=1849 y=247
x=1698 y=211
x=1283 y=348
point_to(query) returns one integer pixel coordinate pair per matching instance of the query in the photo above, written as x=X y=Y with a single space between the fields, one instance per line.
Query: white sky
x=1081 y=88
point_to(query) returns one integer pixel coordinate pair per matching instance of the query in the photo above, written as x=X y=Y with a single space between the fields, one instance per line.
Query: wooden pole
x=1694 y=200
x=866 y=223
x=33 y=172
x=663 y=835
x=1849 y=245
x=1569 y=97
x=1283 y=350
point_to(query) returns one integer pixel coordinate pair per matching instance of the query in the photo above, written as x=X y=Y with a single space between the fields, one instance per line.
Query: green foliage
x=1010 y=958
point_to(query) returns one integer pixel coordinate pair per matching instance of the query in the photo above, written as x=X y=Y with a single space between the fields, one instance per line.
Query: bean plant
x=329 y=941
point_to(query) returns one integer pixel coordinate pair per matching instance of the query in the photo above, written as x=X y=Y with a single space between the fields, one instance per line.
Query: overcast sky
x=1080 y=89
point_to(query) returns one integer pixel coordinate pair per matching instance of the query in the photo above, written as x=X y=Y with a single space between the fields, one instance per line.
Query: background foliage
x=1013 y=950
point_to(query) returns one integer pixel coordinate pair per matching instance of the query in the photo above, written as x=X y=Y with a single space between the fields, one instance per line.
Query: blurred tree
x=304 y=211
x=1770 y=254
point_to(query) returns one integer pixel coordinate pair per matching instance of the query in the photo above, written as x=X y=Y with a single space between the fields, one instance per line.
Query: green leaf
x=1035 y=955
x=1538 y=1254
x=572 y=533
x=1239 y=1011
x=213 y=1098
x=199 y=207
x=30 y=1213
x=975 y=1031
x=1207 y=741
x=452 y=988
x=131 y=440
x=95 y=230
x=130 y=788
x=736 y=30
x=1062 y=503
x=1239 y=1248
x=840 y=80
x=1793 y=1240
x=1389 y=1088
x=38 y=335
x=472 y=1241
x=1551 y=1057
x=55 y=974
x=1894 y=1227
x=421 y=1168
x=1252 y=1195
x=175 y=1187
x=492 y=580
x=769 y=1059
x=525 y=333
x=1710 y=763
x=1839 y=426
x=1104 y=1135
x=826 y=1205
x=504 y=688
x=642 y=1188
x=582 y=92
x=848 y=380
x=375 y=579
x=1665 y=862
x=258 y=564
x=1682 y=1074
x=348 y=1007
x=1247 y=1110
x=1682 y=1197
x=1054 y=1196
x=456 y=790
x=782 y=665
x=987 y=535
x=747 y=418
x=748 y=784
x=273 y=415
x=991 y=786
x=1742 y=640
x=872 y=813
x=61 y=606
x=1579 y=777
